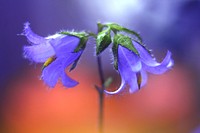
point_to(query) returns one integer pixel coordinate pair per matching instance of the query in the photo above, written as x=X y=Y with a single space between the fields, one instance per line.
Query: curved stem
x=100 y=90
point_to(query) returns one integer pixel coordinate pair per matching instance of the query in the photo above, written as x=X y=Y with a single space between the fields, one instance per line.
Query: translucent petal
x=144 y=77
x=66 y=80
x=145 y=56
x=38 y=53
x=51 y=73
x=65 y=45
x=127 y=60
x=133 y=83
x=162 y=67
x=31 y=36
x=128 y=65
x=56 y=70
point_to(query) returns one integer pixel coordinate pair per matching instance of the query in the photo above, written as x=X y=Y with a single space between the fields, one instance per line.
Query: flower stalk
x=100 y=91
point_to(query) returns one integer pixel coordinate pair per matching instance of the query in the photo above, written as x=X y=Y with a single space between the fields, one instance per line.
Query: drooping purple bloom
x=59 y=49
x=133 y=68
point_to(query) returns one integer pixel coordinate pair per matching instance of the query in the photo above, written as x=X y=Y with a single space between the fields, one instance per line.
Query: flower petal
x=122 y=86
x=57 y=68
x=128 y=65
x=38 y=53
x=127 y=60
x=67 y=81
x=65 y=45
x=144 y=77
x=145 y=55
x=162 y=67
x=31 y=36
x=133 y=83
x=52 y=72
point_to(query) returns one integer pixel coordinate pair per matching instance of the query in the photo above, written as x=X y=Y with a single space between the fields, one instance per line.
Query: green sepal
x=81 y=35
x=116 y=28
x=124 y=41
x=73 y=33
x=82 y=44
x=103 y=40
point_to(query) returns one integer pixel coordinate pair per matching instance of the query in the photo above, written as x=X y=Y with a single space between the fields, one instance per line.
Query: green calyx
x=124 y=41
x=83 y=36
x=104 y=38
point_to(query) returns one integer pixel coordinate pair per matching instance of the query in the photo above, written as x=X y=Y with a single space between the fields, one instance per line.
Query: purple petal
x=162 y=67
x=144 y=55
x=38 y=53
x=144 y=77
x=67 y=81
x=128 y=65
x=133 y=83
x=56 y=69
x=52 y=72
x=31 y=36
x=65 y=45
x=127 y=60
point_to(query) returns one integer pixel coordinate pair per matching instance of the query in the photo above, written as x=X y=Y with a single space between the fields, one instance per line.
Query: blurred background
x=169 y=103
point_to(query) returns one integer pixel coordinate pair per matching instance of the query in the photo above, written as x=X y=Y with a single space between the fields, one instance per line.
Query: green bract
x=124 y=41
x=103 y=40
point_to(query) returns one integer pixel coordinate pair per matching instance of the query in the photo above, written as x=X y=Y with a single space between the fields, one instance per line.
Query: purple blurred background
x=163 y=24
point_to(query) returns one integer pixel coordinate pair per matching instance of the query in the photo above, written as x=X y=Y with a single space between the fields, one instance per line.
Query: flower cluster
x=131 y=58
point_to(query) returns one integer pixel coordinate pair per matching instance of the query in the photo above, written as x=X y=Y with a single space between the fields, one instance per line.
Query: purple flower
x=56 y=52
x=133 y=68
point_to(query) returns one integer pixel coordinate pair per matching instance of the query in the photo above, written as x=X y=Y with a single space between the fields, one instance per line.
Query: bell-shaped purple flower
x=56 y=52
x=133 y=68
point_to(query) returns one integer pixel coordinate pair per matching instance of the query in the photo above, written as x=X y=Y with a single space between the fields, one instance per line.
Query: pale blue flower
x=133 y=68
x=59 y=48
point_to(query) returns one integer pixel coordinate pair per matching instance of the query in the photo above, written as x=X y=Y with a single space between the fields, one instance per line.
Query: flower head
x=57 y=52
x=133 y=67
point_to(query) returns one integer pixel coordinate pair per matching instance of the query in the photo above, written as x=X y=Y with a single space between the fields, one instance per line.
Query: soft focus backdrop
x=169 y=103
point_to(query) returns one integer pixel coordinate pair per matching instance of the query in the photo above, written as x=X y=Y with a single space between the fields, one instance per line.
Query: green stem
x=100 y=90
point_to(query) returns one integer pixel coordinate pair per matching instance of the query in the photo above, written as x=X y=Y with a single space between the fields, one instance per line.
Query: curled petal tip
x=116 y=91
x=111 y=92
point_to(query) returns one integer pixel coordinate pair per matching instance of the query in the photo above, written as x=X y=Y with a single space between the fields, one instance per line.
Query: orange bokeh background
x=166 y=104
